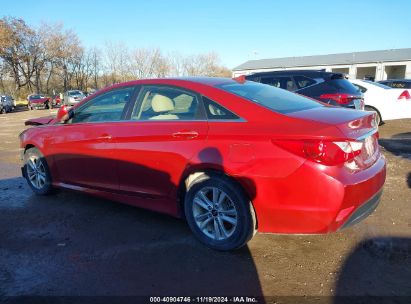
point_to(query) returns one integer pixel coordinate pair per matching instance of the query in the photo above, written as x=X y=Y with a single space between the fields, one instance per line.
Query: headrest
x=162 y=103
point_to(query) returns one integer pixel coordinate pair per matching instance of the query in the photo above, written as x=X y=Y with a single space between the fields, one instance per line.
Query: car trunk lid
x=358 y=128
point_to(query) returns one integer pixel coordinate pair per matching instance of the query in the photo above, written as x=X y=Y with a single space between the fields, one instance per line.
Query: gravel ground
x=71 y=244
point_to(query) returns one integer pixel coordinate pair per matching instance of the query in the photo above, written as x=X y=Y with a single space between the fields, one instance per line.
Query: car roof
x=308 y=73
x=210 y=81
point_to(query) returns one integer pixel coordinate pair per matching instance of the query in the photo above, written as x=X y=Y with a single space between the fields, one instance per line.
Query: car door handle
x=185 y=134
x=104 y=137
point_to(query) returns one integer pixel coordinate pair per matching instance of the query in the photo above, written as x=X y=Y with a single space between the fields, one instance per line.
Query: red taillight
x=240 y=79
x=404 y=95
x=322 y=151
x=342 y=98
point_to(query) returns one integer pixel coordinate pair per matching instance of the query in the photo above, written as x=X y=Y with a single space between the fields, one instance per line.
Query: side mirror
x=63 y=114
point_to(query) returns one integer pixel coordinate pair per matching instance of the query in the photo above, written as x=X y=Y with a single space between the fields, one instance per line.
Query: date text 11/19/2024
x=239 y=299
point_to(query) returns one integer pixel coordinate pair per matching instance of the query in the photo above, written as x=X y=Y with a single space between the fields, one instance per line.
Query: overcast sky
x=236 y=30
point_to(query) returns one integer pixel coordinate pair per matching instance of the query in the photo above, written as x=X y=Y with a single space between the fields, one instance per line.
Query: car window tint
x=106 y=107
x=267 y=96
x=303 y=81
x=398 y=85
x=165 y=103
x=360 y=88
x=216 y=111
x=344 y=85
x=285 y=83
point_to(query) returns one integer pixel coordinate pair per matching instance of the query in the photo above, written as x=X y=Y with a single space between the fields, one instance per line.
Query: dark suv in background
x=397 y=83
x=328 y=87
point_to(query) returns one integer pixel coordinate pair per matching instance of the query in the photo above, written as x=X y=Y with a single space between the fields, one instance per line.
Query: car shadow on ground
x=377 y=267
x=72 y=244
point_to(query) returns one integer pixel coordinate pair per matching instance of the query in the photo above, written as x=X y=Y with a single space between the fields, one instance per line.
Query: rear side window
x=270 y=97
x=166 y=103
x=216 y=111
x=303 y=81
x=285 y=83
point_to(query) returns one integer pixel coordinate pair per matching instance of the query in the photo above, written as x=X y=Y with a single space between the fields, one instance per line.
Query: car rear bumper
x=313 y=200
x=363 y=211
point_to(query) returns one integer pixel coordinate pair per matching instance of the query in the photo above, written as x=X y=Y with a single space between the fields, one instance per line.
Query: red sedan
x=229 y=156
x=36 y=101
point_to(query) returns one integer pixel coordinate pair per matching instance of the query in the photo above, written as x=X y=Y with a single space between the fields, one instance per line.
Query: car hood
x=39 y=121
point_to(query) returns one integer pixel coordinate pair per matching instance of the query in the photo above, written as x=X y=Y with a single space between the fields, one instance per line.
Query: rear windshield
x=72 y=93
x=344 y=85
x=36 y=96
x=278 y=100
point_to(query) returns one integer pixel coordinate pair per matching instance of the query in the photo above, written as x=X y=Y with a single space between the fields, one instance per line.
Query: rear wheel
x=219 y=213
x=377 y=116
x=37 y=172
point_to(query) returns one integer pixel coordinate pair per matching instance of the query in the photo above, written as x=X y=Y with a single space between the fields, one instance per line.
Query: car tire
x=378 y=115
x=36 y=172
x=3 y=111
x=224 y=219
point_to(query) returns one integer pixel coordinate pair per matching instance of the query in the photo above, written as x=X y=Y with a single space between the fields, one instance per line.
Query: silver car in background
x=73 y=97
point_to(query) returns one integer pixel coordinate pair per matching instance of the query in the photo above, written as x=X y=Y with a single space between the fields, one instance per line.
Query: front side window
x=166 y=103
x=108 y=106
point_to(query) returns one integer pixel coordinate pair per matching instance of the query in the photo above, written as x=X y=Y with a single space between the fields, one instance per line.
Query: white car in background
x=389 y=103
x=73 y=97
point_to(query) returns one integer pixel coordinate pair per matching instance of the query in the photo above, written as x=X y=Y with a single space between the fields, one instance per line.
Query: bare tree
x=149 y=63
x=50 y=58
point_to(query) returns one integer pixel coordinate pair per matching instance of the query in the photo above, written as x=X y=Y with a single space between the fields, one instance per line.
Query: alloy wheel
x=214 y=213
x=36 y=172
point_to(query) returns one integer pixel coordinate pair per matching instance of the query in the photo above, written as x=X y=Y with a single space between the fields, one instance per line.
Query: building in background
x=374 y=65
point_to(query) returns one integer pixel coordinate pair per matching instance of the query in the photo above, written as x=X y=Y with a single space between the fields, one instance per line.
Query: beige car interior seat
x=163 y=105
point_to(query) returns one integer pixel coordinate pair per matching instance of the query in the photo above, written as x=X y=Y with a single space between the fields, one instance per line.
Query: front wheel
x=37 y=172
x=219 y=213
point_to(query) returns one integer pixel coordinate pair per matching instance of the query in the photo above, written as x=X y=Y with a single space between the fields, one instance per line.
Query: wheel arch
x=190 y=174
x=29 y=146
